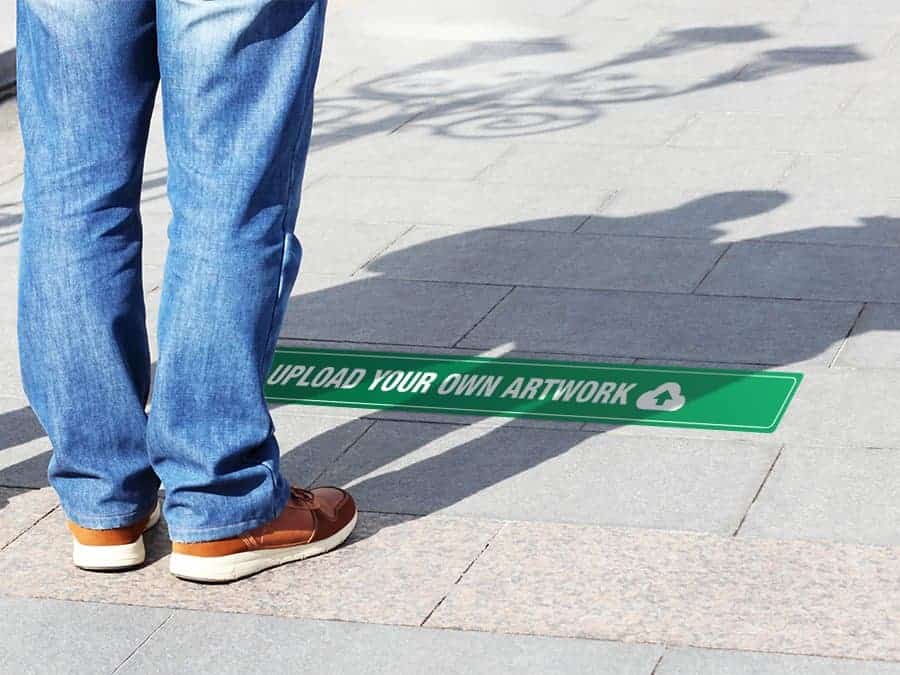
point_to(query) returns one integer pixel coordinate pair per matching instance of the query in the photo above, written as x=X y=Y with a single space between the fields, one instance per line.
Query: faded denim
x=237 y=82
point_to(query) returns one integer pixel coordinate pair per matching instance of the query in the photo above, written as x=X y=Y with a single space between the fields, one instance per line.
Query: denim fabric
x=237 y=82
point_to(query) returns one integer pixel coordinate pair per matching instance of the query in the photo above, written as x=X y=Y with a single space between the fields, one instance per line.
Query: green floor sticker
x=699 y=398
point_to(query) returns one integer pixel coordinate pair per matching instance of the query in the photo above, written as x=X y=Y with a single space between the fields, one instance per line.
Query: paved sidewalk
x=646 y=181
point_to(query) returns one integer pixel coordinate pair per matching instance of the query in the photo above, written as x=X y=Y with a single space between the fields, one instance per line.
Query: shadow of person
x=417 y=469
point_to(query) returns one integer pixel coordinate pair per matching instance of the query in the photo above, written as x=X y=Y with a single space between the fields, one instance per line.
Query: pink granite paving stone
x=679 y=588
x=392 y=570
x=20 y=509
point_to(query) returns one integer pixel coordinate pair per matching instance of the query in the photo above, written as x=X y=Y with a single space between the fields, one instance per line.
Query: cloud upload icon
x=667 y=397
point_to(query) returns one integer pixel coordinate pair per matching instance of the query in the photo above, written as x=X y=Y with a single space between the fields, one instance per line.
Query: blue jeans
x=237 y=82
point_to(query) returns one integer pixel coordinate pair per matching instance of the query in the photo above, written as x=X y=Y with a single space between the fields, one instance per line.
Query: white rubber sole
x=238 y=565
x=109 y=558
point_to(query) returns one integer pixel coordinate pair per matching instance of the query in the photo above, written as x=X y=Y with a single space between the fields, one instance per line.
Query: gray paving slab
x=667 y=326
x=20 y=509
x=790 y=133
x=845 y=407
x=723 y=662
x=806 y=271
x=525 y=115
x=375 y=309
x=500 y=256
x=553 y=476
x=206 y=642
x=862 y=178
x=688 y=168
x=392 y=570
x=599 y=167
x=409 y=156
x=812 y=598
x=45 y=636
x=841 y=494
x=464 y=205
x=874 y=342
x=801 y=215
x=673 y=212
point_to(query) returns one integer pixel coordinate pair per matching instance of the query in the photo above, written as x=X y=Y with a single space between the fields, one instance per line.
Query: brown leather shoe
x=114 y=549
x=313 y=522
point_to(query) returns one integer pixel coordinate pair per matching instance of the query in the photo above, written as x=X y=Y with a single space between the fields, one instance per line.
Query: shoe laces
x=301 y=494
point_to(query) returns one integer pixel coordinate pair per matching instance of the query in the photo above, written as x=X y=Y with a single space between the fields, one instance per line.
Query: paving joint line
x=659 y=660
x=382 y=251
x=759 y=490
x=143 y=642
x=679 y=130
x=349 y=447
x=585 y=289
x=460 y=578
x=402 y=124
x=28 y=529
x=846 y=339
x=712 y=267
x=509 y=150
x=486 y=314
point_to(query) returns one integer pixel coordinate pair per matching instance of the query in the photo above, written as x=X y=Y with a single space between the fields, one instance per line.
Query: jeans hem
x=198 y=534
x=94 y=522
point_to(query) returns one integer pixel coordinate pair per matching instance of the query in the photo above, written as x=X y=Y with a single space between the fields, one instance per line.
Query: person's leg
x=87 y=75
x=237 y=83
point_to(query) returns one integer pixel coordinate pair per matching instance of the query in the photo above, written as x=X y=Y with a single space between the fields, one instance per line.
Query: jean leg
x=237 y=82
x=87 y=77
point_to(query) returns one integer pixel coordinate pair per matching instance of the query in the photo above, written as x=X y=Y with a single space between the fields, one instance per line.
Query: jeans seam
x=287 y=204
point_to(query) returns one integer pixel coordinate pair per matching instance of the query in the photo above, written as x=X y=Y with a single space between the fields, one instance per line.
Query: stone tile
x=674 y=213
x=531 y=119
x=309 y=444
x=499 y=256
x=842 y=494
x=841 y=177
x=877 y=12
x=202 y=642
x=773 y=215
x=682 y=589
x=722 y=92
x=667 y=326
x=20 y=509
x=806 y=271
x=875 y=341
x=463 y=205
x=614 y=167
x=720 y=662
x=396 y=156
x=343 y=247
x=843 y=407
x=392 y=570
x=72 y=637
x=600 y=167
x=553 y=476
x=791 y=134
x=375 y=309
